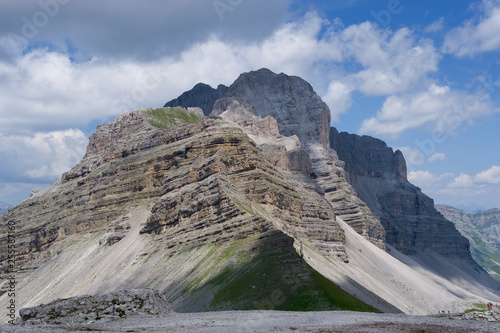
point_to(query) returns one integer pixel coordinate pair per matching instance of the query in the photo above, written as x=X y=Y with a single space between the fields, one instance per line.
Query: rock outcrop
x=482 y=229
x=86 y=309
x=410 y=220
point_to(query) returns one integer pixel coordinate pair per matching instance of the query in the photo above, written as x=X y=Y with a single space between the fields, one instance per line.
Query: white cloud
x=476 y=37
x=461 y=190
x=462 y=181
x=428 y=180
x=435 y=26
x=421 y=177
x=437 y=157
x=444 y=110
x=41 y=157
x=339 y=98
x=393 y=62
x=490 y=176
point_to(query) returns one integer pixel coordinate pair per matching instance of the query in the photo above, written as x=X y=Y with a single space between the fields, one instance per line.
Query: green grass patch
x=477 y=307
x=275 y=279
x=167 y=118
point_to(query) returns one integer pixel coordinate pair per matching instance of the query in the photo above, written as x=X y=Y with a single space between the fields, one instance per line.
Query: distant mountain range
x=4 y=207
x=482 y=228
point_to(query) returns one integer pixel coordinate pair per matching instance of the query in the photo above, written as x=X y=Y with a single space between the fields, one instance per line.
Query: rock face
x=87 y=309
x=482 y=229
x=203 y=181
x=202 y=95
x=300 y=112
x=410 y=220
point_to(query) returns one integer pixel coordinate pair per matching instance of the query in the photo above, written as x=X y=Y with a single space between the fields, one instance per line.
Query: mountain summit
x=242 y=197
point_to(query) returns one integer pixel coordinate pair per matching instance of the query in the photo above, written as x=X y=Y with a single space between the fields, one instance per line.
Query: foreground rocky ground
x=273 y=321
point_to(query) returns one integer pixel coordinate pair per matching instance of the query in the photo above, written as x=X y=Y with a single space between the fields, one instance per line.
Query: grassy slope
x=272 y=278
x=169 y=117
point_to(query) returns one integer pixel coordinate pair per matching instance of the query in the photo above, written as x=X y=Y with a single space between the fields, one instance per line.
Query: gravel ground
x=272 y=321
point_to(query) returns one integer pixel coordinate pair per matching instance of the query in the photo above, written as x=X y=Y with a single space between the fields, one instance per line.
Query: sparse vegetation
x=121 y=312
x=167 y=118
x=270 y=279
x=477 y=307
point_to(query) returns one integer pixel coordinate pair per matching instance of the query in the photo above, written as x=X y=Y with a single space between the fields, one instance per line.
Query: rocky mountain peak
x=299 y=112
x=208 y=206
x=202 y=95
x=290 y=100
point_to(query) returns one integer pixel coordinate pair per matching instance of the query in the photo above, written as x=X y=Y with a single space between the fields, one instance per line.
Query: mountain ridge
x=216 y=212
x=482 y=228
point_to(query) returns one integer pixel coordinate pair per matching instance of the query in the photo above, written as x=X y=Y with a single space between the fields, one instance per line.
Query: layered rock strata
x=204 y=181
x=298 y=111
x=379 y=176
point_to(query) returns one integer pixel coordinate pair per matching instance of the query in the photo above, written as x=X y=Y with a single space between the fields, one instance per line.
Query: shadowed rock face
x=202 y=95
x=378 y=174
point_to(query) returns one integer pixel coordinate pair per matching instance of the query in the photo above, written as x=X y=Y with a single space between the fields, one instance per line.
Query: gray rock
x=298 y=111
x=202 y=96
x=379 y=176
x=482 y=229
x=87 y=309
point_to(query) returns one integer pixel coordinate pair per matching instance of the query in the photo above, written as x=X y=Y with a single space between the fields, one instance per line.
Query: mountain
x=4 y=207
x=482 y=229
x=411 y=222
x=249 y=207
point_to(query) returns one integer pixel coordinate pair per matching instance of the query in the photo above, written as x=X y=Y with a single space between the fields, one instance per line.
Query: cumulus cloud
x=476 y=37
x=421 y=177
x=462 y=181
x=458 y=190
x=490 y=176
x=441 y=108
x=338 y=97
x=428 y=180
x=393 y=62
x=42 y=157
x=483 y=182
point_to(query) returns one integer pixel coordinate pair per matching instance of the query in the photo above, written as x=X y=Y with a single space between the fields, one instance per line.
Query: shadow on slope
x=268 y=276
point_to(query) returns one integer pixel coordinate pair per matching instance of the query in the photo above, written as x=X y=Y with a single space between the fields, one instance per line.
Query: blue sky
x=421 y=75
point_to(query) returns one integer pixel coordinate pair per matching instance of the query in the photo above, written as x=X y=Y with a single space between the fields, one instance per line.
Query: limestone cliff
x=482 y=229
x=298 y=111
x=411 y=222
